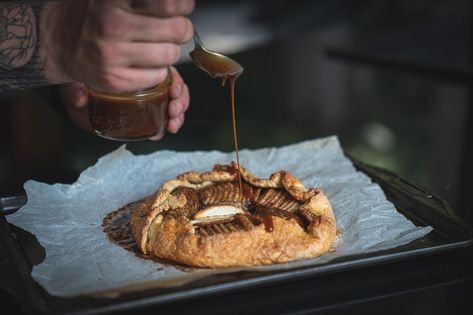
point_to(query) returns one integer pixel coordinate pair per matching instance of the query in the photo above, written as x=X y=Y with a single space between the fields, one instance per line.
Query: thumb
x=79 y=97
x=74 y=95
x=75 y=99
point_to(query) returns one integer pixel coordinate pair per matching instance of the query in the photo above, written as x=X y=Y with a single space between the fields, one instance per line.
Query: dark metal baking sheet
x=19 y=251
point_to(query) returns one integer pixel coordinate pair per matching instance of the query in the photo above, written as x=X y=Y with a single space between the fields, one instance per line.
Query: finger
x=130 y=79
x=175 y=109
x=149 y=55
x=175 y=124
x=127 y=26
x=79 y=114
x=112 y=22
x=81 y=98
x=177 y=84
x=142 y=28
x=157 y=138
x=74 y=94
x=178 y=106
x=162 y=7
x=186 y=98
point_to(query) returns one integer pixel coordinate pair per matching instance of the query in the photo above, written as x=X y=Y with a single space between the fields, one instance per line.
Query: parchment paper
x=67 y=219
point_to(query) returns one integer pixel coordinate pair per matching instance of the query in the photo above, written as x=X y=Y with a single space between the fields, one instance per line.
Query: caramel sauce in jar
x=130 y=116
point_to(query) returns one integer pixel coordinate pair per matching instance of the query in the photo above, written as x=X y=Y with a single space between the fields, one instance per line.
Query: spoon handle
x=197 y=40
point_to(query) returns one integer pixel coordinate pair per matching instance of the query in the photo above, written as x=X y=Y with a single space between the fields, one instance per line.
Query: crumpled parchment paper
x=80 y=259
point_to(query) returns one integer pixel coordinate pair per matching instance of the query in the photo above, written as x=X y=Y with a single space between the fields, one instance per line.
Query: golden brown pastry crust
x=160 y=228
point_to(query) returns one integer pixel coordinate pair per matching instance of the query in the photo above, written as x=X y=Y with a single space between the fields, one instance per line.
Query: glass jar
x=130 y=116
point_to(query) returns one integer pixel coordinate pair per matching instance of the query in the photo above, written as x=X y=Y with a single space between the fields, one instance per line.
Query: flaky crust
x=175 y=238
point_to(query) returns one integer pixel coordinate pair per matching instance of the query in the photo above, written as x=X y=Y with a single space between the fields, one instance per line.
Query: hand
x=114 y=45
x=75 y=98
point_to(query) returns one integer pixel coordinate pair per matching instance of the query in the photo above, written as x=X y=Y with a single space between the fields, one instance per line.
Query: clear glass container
x=130 y=116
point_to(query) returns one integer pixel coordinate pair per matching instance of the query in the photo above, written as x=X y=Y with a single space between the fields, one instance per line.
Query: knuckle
x=188 y=7
x=185 y=105
x=112 y=81
x=97 y=55
x=111 y=28
x=107 y=53
x=179 y=7
x=170 y=54
x=160 y=75
x=182 y=29
x=174 y=109
x=170 y=7
x=186 y=99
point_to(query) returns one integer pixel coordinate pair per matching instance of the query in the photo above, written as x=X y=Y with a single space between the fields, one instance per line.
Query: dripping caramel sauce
x=230 y=70
x=235 y=134
x=218 y=66
x=267 y=219
x=268 y=223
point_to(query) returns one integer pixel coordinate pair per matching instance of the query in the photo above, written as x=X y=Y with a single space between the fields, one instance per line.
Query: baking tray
x=19 y=251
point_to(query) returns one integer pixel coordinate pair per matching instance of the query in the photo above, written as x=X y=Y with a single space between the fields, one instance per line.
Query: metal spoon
x=215 y=64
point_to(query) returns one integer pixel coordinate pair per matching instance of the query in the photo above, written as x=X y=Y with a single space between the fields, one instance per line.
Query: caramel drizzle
x=268 y=223
x=235 y=134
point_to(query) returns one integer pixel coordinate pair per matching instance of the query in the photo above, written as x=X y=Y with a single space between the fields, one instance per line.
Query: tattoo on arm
x=20 y=65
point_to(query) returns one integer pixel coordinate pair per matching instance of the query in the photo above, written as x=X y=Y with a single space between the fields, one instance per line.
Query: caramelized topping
x=193 y=203
x=245 y=221
x=224 y=168
x=228 y=207
x=226 y=192
x=224 y=211
x=273 y=198
x=247 y=195
x=268 y=223
x=310 y=216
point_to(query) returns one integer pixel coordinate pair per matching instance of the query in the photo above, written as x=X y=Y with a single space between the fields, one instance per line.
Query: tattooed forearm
x=20 y=64
x=17 y=27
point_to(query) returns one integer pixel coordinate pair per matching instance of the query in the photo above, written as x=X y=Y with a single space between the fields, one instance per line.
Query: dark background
x=392 y=79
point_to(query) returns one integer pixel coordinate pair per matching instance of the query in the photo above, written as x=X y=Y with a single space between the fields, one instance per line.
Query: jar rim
x=152 y=91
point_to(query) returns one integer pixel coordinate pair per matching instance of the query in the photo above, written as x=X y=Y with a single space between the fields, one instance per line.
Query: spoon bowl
x=215 y=64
